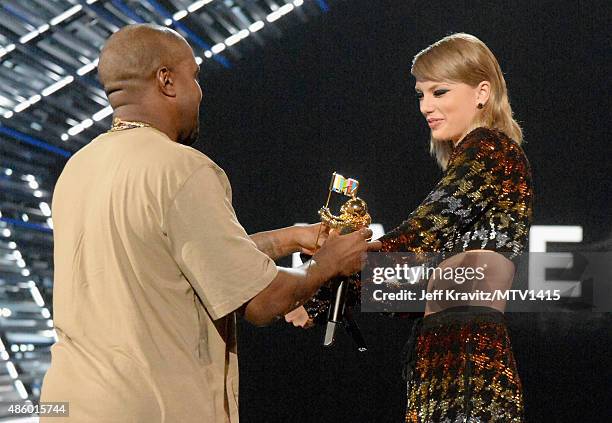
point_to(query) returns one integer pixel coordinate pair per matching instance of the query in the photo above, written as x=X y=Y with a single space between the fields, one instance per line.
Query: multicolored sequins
x=465 y=369
x=483 y=201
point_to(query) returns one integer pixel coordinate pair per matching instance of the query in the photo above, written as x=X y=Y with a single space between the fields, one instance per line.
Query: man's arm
x=340 y=255
x=282 y=242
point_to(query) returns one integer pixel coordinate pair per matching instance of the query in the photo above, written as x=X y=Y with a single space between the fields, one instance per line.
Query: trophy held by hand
x=342 y=293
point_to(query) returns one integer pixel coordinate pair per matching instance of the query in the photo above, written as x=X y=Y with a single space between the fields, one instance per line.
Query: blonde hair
x=463 y=58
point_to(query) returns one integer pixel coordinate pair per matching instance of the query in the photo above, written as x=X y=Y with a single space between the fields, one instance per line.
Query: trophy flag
x=342 y=185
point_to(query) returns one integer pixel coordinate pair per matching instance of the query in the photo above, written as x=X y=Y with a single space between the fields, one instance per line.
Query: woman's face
x=449 y=107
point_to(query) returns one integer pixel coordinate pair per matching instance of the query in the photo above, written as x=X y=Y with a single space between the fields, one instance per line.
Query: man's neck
x=135 y=113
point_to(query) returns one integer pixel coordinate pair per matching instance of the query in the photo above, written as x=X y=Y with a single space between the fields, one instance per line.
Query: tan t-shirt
x=150 y=263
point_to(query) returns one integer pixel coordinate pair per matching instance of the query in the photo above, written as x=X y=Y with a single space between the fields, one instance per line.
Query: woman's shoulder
x=488 y=138
x=488 y=142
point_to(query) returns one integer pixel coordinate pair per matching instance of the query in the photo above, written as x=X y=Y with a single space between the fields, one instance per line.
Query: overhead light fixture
x=7 y=49
x=218 y=48
x=87 y=68
x=65 y=15
x=197 y=5
x=57 y=85
x=256 y=26
x=98 y=116
x=180 y=15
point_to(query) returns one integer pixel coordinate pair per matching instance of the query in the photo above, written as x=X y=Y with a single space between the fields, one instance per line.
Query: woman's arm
x=486 y=173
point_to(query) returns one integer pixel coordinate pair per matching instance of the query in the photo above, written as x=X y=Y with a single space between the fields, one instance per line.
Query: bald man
x=151 y=264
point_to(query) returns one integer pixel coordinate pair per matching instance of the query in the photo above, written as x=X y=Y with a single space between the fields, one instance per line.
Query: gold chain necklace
x=121 y=125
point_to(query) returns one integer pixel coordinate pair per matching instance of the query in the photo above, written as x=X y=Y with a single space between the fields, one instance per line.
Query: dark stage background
x=336 y=94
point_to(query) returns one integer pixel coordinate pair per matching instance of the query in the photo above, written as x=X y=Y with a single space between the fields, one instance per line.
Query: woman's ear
x=483 y=92
x=165 y=81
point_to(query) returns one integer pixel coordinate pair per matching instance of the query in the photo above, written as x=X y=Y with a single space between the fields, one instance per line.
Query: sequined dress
x=459 y=362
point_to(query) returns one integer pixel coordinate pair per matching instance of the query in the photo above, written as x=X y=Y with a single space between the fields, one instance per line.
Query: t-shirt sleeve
x=211 y=248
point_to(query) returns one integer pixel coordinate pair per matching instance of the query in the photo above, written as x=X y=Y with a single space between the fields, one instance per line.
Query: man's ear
x=165 y=81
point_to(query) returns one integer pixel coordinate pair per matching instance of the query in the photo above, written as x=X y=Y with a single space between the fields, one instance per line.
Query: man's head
x=150 y=72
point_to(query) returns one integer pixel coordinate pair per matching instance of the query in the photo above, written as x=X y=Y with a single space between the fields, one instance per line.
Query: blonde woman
x=459 y=365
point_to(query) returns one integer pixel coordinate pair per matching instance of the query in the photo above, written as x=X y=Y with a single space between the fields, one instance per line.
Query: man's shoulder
x=164 y=150
x=149 y=148
x=187 y=157
x=140 y=153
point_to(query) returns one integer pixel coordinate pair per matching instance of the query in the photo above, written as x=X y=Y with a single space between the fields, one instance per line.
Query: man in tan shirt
x=151 y=264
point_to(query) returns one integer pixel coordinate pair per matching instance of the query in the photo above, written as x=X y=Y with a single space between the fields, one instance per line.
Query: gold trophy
x=353 y=216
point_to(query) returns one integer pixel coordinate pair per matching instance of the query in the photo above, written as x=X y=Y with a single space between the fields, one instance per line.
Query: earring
x=480 y=105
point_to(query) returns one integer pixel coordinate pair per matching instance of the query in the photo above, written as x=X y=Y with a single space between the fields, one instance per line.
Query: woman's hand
x=299 y=317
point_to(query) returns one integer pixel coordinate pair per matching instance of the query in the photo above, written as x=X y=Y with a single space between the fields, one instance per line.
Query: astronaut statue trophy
x=353 y=216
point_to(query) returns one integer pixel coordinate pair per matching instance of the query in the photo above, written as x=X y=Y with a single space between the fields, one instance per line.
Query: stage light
x=21 y=389
x=218 y=48
x=44 y=208
x=285 y=9
x=21 y=106
x=65 y=15
x=180 y=15
x=98 y=116
x=230 y=41
x=196 y=5
x=38 y=299
x=11 y=370
x=256 y=26
x=76 y=129
x=7 y=49
x=29 y=36
x=87 y=68
x=57 y=85
x=273 y=16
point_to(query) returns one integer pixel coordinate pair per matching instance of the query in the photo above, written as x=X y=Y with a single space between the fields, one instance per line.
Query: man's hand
x=349 y=252
x=307 y=235
x=344 y=255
